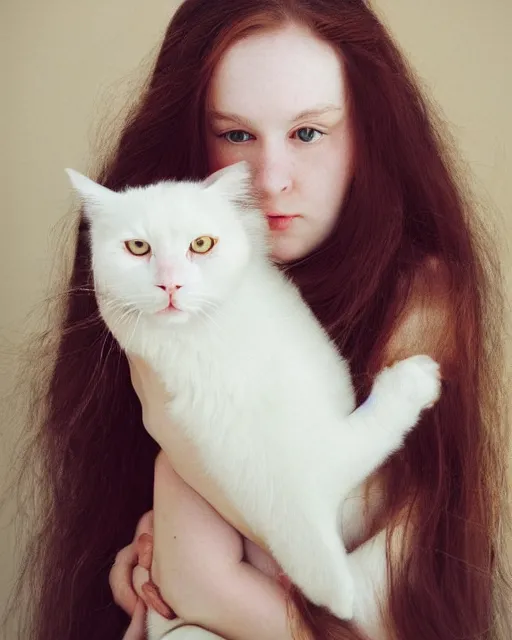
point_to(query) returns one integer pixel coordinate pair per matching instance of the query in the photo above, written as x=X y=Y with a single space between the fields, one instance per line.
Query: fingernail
x=154 y=600
x=145 y=537
x=144 y=548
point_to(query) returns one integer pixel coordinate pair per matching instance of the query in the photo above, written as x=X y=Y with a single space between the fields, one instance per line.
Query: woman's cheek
x=222 y=154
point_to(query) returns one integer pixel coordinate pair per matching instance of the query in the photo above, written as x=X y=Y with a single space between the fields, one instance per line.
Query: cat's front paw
x=416 y=379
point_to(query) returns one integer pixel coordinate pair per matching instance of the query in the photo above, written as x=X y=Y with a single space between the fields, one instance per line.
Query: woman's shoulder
x=427 y=322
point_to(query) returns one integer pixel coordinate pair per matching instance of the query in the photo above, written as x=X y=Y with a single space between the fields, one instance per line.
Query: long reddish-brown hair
x=406 y=205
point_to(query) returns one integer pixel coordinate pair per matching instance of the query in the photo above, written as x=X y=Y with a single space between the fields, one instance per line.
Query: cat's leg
x=312 y=554
x=368 y=567
x=378 y=427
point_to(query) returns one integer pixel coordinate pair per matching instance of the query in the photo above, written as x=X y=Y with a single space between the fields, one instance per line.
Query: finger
x=139 y=577
x=145 y=524
x=148 y=592
x=120 y=579
x=153 y=599
x=137 y=628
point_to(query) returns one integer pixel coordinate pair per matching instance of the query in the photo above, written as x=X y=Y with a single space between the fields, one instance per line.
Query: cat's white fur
x=254 y=379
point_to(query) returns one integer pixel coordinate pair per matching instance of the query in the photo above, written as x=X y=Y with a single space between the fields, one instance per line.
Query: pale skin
x=277 y=100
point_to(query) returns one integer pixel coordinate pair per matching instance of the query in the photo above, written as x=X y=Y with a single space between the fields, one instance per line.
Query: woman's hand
x=127 y=575
x=130 y=580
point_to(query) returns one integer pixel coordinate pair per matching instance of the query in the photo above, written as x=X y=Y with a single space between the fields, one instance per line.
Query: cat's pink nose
x=169 y=288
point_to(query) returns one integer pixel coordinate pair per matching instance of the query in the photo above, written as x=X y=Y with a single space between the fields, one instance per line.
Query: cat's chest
x=216 y=372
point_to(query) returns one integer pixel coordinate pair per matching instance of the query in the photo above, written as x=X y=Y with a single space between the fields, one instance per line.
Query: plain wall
x=67 y=66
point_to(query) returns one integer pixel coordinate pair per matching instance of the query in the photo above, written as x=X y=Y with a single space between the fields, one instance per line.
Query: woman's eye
x=307 y=134
x=137 y=247
x=237 y=136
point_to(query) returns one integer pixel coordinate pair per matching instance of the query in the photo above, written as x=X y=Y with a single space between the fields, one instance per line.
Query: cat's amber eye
x=203 y=244
x=137 y=247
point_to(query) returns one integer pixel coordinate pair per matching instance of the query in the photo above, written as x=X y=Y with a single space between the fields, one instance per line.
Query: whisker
x=139 y=315
x=202 y=300
x=84 y=324
x=203 y=312
x=100 y=359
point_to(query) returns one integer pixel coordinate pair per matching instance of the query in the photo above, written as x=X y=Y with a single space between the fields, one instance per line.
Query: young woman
x=368 y=217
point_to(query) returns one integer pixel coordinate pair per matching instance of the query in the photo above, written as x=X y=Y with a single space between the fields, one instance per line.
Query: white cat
x=183 y=280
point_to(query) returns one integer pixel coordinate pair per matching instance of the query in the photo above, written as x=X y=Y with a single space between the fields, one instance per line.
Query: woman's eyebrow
x=224 y=115
x=317 y=110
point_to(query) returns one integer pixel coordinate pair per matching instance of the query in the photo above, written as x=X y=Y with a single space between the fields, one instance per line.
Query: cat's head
x=172 y=249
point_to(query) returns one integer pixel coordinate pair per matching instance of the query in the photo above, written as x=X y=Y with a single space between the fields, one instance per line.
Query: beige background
x=69 y=65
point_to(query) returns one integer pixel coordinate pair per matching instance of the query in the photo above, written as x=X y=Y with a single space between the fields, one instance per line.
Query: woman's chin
x=284 y=252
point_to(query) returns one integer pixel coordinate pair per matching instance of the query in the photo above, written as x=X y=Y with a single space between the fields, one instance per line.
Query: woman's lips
x=279 y=221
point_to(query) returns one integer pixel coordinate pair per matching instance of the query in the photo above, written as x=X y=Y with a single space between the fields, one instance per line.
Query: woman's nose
x=273 y=172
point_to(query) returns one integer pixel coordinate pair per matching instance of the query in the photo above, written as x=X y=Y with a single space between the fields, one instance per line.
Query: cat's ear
x=234 y=181
x=93 y=195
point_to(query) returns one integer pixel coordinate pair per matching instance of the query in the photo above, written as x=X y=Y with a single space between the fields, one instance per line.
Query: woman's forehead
x=277 y=75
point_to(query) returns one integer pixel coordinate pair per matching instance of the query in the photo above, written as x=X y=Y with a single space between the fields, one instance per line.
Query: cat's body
x=254 y=380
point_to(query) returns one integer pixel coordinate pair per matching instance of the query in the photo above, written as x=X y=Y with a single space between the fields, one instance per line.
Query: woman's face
x=278 y=100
